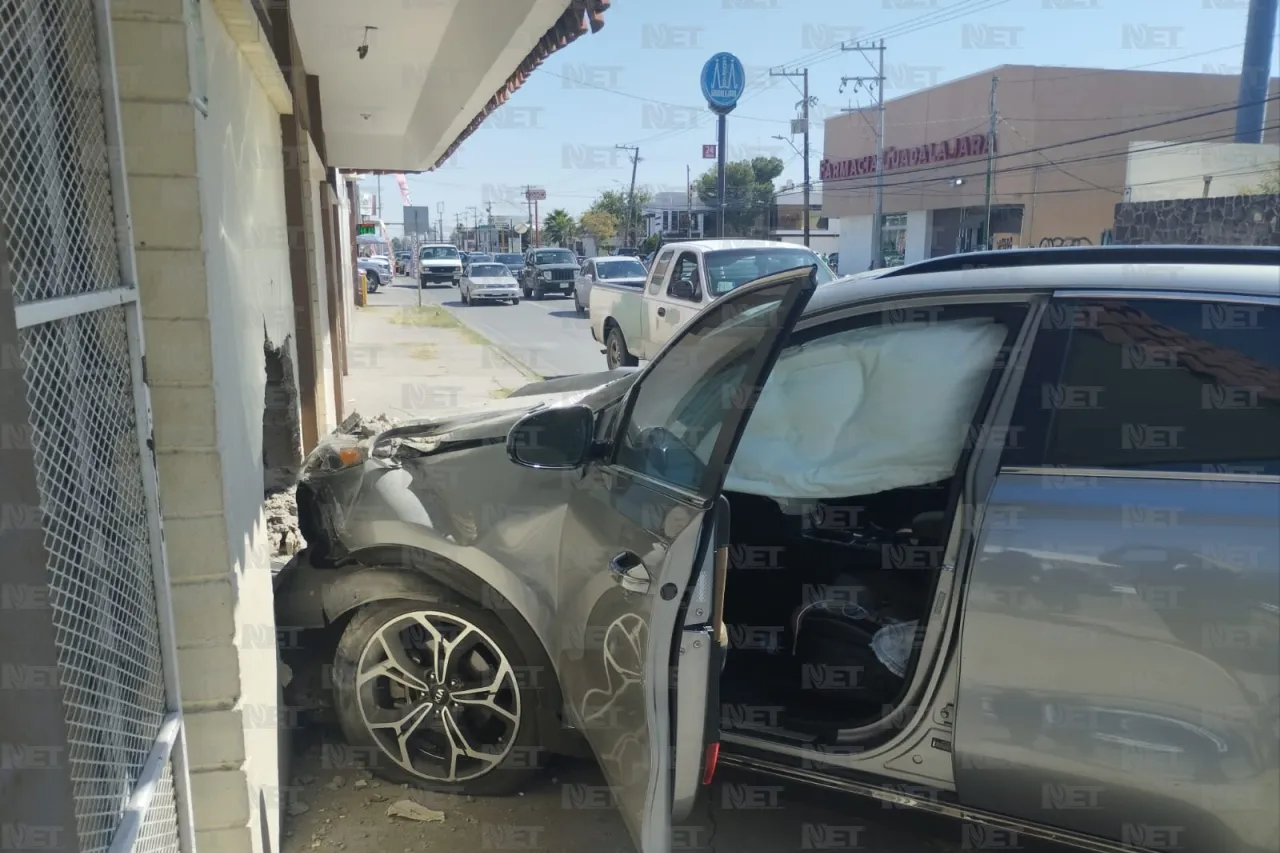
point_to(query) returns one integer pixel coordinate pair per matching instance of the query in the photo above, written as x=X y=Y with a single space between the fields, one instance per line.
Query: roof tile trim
x=580 y=16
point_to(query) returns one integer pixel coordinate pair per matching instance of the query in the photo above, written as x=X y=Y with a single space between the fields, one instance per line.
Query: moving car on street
x=513 y=260
x=548 y=271
x=991 y=536
x=620 y=271
x=439 y=262
x=635 y=323
x=489 y=282
x=377 y=271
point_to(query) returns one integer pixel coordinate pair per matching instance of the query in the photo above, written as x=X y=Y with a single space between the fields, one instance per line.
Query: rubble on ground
x=362 y=427
x=284 y=537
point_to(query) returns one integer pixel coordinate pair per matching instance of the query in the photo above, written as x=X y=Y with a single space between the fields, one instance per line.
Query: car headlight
x=547 y=275
x=336 y=453
x=424 y=265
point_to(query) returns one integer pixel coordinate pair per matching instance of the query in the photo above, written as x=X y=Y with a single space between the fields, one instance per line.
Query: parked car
x=486 y=281
x=548 y=271
x=479 y=258
x=833 y=261
x=1039 y=591
x=377 y=272
x=439 y=262
x=513 y=260
x=404 y=261
x=622 y=272
x=635 y=323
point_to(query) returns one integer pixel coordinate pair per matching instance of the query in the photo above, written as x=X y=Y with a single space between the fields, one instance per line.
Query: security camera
x=362 y=51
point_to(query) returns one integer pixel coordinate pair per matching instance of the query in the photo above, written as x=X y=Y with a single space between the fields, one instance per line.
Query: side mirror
x=558 y=439
x=683 y=289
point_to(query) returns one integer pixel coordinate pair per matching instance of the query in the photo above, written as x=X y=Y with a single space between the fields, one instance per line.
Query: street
x=547 y=337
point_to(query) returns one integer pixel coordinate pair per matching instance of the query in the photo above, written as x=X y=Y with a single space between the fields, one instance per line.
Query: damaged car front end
x=431 y=516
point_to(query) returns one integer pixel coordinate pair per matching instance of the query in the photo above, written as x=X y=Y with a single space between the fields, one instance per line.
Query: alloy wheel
x=438 y=696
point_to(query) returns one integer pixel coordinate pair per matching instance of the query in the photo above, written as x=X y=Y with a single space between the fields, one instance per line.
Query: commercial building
x=788 y=220
x=177 y=244
x=1058 y=158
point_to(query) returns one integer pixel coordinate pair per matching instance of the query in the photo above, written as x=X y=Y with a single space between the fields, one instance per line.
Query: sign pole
x=720 y=181
x=723 y=79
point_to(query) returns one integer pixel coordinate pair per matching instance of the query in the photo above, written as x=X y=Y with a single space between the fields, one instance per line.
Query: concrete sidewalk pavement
x=410 y=362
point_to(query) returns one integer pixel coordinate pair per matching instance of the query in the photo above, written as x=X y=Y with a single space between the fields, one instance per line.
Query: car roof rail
x=1110 y=254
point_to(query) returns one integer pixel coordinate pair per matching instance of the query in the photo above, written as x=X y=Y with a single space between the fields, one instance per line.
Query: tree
x=748 y=193
x=648 y=244
x=615 y=202
x=600 y=224
x=1270 y=185
x=558 y=227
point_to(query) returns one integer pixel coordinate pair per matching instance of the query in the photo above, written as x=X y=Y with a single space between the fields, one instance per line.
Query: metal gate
x=64 y=207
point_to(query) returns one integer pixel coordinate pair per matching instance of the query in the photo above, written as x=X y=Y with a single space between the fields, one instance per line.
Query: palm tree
x=558 y=227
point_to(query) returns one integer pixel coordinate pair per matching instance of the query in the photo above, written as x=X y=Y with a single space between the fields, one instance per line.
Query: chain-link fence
x=80 y=348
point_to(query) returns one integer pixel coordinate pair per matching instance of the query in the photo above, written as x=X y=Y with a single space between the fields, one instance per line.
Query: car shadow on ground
x=570 y=313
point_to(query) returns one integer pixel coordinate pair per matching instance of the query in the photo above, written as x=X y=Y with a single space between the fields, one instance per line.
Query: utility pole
x=528 y=198
x=688 y=204
x=804 y=117
x=488 y=235
x=991 y=150
x=377 y=208
x=631 y=196
x=440 y=216
x=877 y=233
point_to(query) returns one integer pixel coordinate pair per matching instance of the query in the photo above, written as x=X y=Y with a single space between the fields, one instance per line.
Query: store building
x=788 y=220
x=1057 y=159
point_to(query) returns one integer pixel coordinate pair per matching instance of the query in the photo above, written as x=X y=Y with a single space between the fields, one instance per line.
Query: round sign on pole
x=723 y=79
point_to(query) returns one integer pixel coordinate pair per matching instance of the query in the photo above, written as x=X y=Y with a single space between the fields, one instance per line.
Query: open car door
x=636 y=584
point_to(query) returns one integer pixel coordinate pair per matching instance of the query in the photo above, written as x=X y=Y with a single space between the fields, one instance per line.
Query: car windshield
x=479 y=258
x=731 y=268
x=439 y=253
x=620 y=269
x=489 y=271
x=555 y=256
x=509 y=260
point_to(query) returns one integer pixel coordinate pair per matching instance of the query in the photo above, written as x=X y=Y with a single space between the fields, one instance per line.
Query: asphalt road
x=547 y=336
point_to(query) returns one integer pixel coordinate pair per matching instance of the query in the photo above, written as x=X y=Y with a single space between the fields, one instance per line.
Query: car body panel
x=1122 y=680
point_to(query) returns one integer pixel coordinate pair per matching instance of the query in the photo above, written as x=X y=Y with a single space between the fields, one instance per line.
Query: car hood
x=453 y=262
x=490 y=422
x=558 y=266
x=492 y=279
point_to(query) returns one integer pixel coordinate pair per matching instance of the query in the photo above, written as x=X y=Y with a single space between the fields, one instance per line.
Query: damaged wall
x=246 y=247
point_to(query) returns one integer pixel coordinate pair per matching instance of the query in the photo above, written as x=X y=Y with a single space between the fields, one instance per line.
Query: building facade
x=177 y=253
x=788 y=220
x=1057 y=157
x=677 y=216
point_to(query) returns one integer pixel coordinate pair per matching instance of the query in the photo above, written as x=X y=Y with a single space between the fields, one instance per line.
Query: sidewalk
x=410 y=362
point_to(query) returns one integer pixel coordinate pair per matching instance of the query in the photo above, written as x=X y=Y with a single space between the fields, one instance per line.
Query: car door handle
x=662 y=312
x=628 y=572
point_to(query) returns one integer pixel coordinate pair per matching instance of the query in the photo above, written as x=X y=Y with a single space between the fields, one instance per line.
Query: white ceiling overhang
x=433 y=71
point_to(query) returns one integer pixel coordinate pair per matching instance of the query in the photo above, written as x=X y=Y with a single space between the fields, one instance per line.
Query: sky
x=636 y=83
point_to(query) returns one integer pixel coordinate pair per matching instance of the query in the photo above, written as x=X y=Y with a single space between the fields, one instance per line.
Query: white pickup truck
x=634 y=321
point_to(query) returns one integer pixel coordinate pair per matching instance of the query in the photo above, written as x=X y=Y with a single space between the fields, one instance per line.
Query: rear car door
x=1120 y=653
x=638 y=534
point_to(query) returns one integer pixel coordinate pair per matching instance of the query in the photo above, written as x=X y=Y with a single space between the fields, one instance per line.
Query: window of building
x=1151 y=384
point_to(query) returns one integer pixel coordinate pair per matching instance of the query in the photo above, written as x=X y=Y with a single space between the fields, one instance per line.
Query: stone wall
x=1241 y=220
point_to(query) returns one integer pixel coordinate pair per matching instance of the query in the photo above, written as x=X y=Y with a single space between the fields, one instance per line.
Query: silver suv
x=995 y=536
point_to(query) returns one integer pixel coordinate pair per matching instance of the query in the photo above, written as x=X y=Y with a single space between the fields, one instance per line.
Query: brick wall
x=1241 y=220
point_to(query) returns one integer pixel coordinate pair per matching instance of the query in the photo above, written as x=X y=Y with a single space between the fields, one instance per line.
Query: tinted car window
x=509 y=259
x=439 y=253
x=1152 y=384
x=488 y=271
x=555 y=256
x=620 y=269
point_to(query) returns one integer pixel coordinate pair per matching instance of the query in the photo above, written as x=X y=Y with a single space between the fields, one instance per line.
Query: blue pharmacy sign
x=723 y=79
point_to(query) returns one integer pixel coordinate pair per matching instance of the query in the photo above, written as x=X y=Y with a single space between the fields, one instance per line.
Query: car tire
x=422 y=282
x=373 y=282
x=501 y=722
x=515 y=301
x=577 y=305
x=615 y=350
